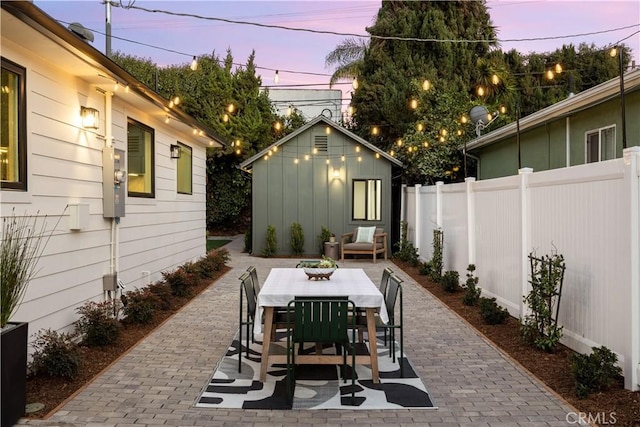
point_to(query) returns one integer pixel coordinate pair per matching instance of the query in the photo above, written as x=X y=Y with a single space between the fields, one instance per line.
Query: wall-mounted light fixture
x=90 y=117
x=336 y=172
x=175 y=151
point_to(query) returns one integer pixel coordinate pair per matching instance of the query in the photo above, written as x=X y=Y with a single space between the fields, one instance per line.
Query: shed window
x=367 y=199
x=13 y=142
x=185 y=169
x=601 y=144
x=140 y=160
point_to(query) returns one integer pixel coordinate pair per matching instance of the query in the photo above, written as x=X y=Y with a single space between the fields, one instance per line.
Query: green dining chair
x=247 y=315
x=394 y=296
x=321 y=320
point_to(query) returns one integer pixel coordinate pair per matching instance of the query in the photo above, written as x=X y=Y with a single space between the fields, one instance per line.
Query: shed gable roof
x=246 y=165
x=582 y=101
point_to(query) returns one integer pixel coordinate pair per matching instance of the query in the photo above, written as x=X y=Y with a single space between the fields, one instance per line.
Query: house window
x=366 y=199
x=13 y=133
x=601 y=144
x=140 y=160
x=185 y=169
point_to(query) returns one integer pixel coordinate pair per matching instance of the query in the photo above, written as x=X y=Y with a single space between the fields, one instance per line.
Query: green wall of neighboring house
x=544 y=147
x=284 y=192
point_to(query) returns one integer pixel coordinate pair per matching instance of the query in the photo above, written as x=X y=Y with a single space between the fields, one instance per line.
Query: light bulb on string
x=194 y=64
x=558 y=68
x=231 y=108
x=549 y=74
x=613 y=52
x=480 y=91
x=495 y=79
x=426 y=85
x=413 y=104
x=276 y=78
x=355 y=83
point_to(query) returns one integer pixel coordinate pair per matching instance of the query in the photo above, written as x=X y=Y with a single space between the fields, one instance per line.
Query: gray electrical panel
x=113 y=182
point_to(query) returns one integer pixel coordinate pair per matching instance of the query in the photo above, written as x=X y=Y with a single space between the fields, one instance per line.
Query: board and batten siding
x=308 y=193
x=64 y=166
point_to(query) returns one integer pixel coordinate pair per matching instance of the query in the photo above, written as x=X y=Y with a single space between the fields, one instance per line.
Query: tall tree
x=391 y=65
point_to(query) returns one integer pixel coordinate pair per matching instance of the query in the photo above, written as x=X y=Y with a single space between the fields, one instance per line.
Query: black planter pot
x=13 y=361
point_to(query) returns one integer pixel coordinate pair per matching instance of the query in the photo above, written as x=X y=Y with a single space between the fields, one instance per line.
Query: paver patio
x=157 y=382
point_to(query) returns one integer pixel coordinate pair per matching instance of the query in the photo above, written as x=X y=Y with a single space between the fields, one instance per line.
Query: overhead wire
x=372 y=36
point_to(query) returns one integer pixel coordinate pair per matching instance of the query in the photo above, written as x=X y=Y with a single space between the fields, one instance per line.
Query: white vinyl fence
x=588 y=213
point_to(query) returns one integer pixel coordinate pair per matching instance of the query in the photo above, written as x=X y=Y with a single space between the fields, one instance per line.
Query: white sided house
x=126 y=194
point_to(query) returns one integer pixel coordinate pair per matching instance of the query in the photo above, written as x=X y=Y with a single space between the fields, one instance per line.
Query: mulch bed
x=553 y=369
x=54 y=391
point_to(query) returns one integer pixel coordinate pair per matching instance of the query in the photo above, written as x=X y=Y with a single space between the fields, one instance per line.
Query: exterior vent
x=320 y=143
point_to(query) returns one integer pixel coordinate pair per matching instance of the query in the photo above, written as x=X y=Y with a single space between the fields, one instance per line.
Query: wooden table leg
x=373 y=344
x=266 y=342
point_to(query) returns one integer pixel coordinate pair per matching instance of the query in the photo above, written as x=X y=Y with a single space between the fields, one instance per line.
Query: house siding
x=64 y=165
x=545 y=146
x=284 y=192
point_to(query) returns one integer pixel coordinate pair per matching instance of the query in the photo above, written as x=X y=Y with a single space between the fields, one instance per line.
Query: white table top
x=284 y=284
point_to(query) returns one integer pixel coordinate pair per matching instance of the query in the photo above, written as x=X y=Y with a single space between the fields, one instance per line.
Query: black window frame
x=184 y=147
x=152 y=193
x=21 y=72
x=366 y=201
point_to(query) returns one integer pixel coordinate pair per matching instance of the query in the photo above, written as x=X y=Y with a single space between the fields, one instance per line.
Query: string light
x=413 y=104
x=426 y=85
x=355 y=83
x=194 y=64
x=276 y=78
x=231 y=108
x=166 y=120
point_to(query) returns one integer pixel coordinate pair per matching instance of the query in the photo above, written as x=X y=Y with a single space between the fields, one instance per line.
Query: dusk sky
x=304 y=51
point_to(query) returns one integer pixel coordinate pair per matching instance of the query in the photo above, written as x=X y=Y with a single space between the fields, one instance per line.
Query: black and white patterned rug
x=316 y=386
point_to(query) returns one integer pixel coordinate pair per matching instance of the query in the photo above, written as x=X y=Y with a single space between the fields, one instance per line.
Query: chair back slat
x=321 y=320
x=254 y=277
x=249 y=291
x=384 y=283
x=392 y=294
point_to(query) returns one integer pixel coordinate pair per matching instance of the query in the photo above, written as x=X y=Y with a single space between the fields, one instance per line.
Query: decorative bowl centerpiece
x=318 y=270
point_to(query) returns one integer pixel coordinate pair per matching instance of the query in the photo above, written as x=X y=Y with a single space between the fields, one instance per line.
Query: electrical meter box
x=113 y=182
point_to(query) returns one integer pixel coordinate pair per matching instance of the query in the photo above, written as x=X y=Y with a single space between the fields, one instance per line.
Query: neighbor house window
x=140 y=160
x=601 y=144
x=185 y=169
x=13 y=138
x=366 y=199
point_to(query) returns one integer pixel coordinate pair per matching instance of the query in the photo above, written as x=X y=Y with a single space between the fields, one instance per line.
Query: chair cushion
x=365 y=234
x=361 y=246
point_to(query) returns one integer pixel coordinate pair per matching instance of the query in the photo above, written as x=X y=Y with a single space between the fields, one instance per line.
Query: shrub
x=140 y=306
x=180 y=282
x=491 y=312
x=162 y=290
x=193 y=270
x=425 y=268
x=406 y=251
x=594 y=372
x=450 y=281
x=271 y=246
x=55 y=355
x=248 y=242
x=324 y=236
x=97 y=324
x=436 y=259
x=297 y=239
x=472 y=291
x=213 y=262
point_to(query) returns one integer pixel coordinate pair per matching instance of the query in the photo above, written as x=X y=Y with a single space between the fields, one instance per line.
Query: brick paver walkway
x=157 y=382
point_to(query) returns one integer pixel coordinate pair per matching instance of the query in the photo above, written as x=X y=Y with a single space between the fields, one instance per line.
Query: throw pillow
x=365 y=234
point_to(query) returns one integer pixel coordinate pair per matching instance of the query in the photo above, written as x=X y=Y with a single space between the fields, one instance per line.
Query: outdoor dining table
x=284 y=284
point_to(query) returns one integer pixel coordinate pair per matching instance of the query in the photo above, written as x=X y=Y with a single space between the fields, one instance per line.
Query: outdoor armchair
x=364 y=241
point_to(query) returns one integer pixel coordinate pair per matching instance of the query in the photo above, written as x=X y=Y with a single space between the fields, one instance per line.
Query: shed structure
x=322 y=175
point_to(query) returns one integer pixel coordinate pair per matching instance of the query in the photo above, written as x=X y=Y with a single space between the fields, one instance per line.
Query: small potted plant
x=23 y=241
x=332 y=238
